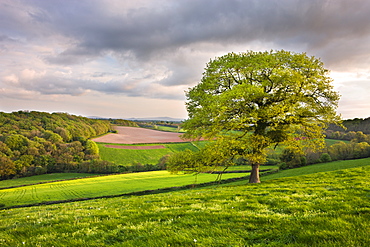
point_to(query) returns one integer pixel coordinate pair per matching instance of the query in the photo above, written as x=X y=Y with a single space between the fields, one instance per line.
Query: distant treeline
x=353 y=149
x=355 y=145
x=152 y=124
x=122 y=122
x=356 y=124
x=38 y=142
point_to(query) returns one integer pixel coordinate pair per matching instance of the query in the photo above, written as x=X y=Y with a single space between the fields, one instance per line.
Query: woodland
x=34 y=143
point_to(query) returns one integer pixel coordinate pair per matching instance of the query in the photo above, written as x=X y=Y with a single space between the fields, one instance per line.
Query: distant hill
x=144 y=119
x=356 y=124
x=40 y=142
x=168 y=119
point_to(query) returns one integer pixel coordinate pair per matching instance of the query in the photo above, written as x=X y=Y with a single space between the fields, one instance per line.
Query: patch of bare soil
x=134 y=135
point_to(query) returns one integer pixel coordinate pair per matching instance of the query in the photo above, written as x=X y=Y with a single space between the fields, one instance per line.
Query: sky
x=136 y=59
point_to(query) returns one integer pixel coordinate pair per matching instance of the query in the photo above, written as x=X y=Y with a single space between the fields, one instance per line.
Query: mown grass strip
x=76 y=197
x=42 y=179
x=102 y=186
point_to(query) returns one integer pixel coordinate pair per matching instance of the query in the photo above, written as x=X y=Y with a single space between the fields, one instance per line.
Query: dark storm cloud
x=168 y=42
x=160 y=28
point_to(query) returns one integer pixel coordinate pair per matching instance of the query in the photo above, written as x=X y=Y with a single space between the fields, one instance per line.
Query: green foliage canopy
x=38 y=142
x=249 y=101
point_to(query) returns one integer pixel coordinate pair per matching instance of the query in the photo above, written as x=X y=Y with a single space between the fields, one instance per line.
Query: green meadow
x=323 y=167
x=330 y=142
x=329 y=208
x=102 y=186
x=111 y=185
x=143 y=156
x=152 y=156
x=42 y=179
x=169 y=129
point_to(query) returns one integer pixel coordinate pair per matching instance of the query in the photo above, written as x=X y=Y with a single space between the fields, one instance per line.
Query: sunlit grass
x=169 y=129
x=323 y=167
x=321 y=209
x=143 y=156
x=127 y=183
x=152 y=156
x=330 y=142
x=102 y=186
x=42 y=178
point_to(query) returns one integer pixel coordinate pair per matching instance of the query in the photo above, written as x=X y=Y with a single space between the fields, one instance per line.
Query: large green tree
x=251 y=101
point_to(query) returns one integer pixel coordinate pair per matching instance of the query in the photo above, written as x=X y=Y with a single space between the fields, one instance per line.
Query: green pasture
x=131 y=156
x=102 y=186
x=143 y=156
x=310 y=169
x=330 y=142
x=321 y=209
x=134 y=182
x=323 y=167
x=169 y=129
x=54 y=177
x=42 y=179
x=152 y=156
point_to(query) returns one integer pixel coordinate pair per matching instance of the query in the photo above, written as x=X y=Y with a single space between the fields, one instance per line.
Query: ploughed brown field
x=134 y=135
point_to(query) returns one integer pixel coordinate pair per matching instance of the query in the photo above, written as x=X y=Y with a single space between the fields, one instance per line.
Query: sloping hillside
x=322 y=209
x=39 y=142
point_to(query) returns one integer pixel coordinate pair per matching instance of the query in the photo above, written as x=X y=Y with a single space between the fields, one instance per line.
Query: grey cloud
x=73 y=56
x=5 y=41
x=158 y=29
x=54 y=85
x=159 y=36
x=133 y=88
x=101 y=74
x=5 y=38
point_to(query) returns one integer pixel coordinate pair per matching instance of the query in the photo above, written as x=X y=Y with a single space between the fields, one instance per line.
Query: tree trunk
x=255 y=174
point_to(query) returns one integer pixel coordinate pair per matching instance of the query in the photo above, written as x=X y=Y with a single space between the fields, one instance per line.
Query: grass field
x=152 y=156
x=321 y=209
x=169 y=129
x=42 y=179
x=323 y=167
x=330 y=142
x=134 y=182
x=101 y=186
x=306 y=170
x=45 y=178
x=143 y=156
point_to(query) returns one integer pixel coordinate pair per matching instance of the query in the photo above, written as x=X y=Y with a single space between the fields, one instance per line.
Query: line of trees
x=123 y=122
x=357 y=136
x=356 y=124
x=355 y=145
x=38 y=142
